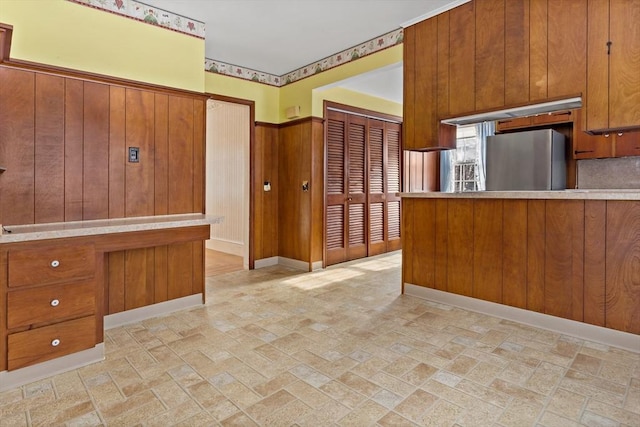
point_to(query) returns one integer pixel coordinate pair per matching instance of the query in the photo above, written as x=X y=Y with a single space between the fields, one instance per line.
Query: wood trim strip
x=362 y=111
x=6 y=34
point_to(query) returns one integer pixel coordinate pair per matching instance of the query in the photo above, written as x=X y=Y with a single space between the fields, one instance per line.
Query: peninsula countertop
x=577 y=194
x=31 y=232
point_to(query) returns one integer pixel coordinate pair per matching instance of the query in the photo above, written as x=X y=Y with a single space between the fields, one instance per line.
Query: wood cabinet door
x=462 y=42
x=596 y=109
x=516 y=52
x=567 y=48
x=624 y=64
x=335 y=188
x=409 y=84
x=587 y=146
x=356 y=188
x=490 y=54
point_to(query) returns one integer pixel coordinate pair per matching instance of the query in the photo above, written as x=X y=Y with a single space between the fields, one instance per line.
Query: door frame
x=370 y=114
x=252 y=134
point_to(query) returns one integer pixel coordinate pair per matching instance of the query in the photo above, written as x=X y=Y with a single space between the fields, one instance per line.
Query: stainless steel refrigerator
x=530 y=160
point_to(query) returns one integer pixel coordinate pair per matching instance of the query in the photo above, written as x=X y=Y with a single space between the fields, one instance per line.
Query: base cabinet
x=546 y=256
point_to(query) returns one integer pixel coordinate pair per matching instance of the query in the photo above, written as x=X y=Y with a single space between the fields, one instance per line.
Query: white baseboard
x=227 y=247
x=293 y=263
x=22 y=376
x=149 y=311
x=317 y=265
x=265 y=262
x=582 y=330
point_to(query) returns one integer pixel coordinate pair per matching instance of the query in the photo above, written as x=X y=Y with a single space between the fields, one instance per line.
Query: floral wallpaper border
x=151 y=15
x=374 y=45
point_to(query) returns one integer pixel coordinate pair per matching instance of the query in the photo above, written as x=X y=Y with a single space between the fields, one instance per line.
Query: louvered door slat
x=393 y=162
x=356 y=225
x=376 y=165
x=335 y=157
x=335 y=227
x=376 y=222
x=393 y=210
x=356 y=158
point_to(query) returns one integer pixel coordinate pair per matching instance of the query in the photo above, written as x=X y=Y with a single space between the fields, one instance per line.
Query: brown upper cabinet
x=613 y=61
x=532 y=51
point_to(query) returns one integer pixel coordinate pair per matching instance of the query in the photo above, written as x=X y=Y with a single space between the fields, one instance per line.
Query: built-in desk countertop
x=57 y=230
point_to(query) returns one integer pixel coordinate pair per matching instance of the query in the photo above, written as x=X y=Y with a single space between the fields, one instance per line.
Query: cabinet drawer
x=50 y=303
x=518 y=122
x=51 y=265
x=49 y=342
x=555 y=117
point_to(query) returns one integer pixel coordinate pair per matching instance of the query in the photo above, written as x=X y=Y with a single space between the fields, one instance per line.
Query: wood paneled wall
x=65 y=144
x=265 y=161
x=64 y=141
x=300 y=158
x=575 y=259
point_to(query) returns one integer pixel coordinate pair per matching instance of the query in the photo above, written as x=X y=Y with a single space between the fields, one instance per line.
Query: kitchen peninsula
x=572 y=254
x=57 y=283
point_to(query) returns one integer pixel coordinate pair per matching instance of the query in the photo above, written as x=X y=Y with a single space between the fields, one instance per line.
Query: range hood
x=523 y=111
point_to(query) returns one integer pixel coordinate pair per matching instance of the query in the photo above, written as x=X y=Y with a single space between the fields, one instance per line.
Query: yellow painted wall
x=300 y=92
x=65 y=34
x=266 y=98
x=355 y=99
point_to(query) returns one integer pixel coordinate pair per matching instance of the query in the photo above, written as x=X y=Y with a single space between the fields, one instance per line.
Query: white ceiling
x=279 y=36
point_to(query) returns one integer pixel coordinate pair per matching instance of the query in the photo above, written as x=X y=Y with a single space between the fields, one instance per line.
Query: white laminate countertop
x=56 y=230
x=595 y=194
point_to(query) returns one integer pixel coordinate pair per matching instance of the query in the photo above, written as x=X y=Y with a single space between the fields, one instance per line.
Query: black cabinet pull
x=583 y=151
x=609 y=43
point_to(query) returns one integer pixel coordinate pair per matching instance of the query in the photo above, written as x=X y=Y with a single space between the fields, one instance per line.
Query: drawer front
x=51 y=265
x=557 y=117
x=49 y=342
x=518 y=122
x=50 y=304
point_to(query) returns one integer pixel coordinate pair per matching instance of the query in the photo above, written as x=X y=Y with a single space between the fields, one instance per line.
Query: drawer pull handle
x=55 y=342
x=55 y=263
x=55 y=303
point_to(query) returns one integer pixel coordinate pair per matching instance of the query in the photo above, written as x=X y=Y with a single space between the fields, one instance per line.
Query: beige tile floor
x=335 y=347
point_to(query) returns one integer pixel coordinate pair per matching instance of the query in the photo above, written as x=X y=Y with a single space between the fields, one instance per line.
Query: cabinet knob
x=55 y=263
x=55 y=342
x=619 y=133
x=55 y=303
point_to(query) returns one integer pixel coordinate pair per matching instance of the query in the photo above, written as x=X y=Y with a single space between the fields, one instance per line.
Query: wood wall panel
x=426 y=73
x=409 y=79
x=317 y=190
x=115 y=282
x=117 y=155
x=538 y=49
x=535 y=255
x=595 y=215
x=487 y=250
x=161 y=154
x=424 y=254
x=17 y=146
x=444 y=52
x=567 y=44
x=407 y=241
x=293 y=168
x=459 y=247
x=180 y=270
x=199 y=126
x=73 y=149
x=563 y=268
x=516 y=49
x=197 y=274
x=442 y=244
x=49 y=149
x=623 y=266
x=96 y=151
x=514 y=265
x=265 y=202
x=597 y=111
x=490 y=54
x=161 y=258
x=180 y=140
x=139 y=131
x=135 y=279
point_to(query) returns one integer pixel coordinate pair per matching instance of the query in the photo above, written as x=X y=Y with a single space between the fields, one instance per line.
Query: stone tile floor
x=276 y=347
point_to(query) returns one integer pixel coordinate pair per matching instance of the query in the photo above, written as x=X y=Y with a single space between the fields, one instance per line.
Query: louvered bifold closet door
x=336 y=192
x=393 y=132
x=377 y=188
x=357 y=189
